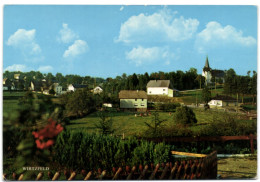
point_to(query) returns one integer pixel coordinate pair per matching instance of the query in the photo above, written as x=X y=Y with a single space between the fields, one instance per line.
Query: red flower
x=48 y=132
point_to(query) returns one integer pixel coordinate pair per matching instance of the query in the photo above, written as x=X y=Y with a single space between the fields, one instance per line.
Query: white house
x=160 y=87
x=97 y=90
x=74 y=87
x=222 y=101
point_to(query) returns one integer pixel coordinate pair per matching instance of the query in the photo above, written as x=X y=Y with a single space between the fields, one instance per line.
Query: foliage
x=52 y=92
x=33 y=114
x=105 y=124
x=154 y=125
x=99 y=151
x=206 y=95
x=227 y=126
x=184 y=115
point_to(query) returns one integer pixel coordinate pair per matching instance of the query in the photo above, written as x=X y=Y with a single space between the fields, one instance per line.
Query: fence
x=202 y=167
x=250 y=137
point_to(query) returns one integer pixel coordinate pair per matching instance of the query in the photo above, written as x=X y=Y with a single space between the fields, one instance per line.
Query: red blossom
x=48 y=132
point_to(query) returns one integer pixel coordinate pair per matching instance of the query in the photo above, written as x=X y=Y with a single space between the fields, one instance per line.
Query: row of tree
x=240 y=85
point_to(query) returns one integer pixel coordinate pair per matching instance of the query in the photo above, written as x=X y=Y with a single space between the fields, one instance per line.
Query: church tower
x=207 y=72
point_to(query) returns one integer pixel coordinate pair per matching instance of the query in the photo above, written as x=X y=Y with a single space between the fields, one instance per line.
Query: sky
x=109 y=40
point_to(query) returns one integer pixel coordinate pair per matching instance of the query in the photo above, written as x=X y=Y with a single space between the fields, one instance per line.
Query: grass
x=237 y=168
x=128 y=124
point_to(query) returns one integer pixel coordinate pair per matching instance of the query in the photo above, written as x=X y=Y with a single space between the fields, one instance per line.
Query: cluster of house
x=12 y=84
x=43 y=86
x=129 y=99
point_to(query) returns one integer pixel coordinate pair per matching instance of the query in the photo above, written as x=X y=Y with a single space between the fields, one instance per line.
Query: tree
x=206 y=95
x=105 y=124
x=80 y=102
x=52 y=92
x=154 y=126
x=184 y=115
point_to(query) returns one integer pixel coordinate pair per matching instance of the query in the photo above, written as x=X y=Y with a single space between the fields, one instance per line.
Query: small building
x=57 y=88
x=97 y=90
x=17 y=76
x=160 y=87
x=222 y=101
x=74 y=87
x=133 y=99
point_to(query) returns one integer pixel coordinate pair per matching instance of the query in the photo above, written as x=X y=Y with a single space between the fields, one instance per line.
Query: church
x=208 y=73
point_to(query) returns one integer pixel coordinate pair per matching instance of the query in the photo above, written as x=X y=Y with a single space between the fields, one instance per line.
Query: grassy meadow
x=126 y=122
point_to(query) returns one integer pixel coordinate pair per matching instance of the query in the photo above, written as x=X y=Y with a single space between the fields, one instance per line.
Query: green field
x=123 y=122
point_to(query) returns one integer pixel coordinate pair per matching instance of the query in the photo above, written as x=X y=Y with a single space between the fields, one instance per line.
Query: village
x=160 y=113
x=129 y=92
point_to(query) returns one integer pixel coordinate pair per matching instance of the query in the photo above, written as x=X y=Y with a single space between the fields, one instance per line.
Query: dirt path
x=237 y=168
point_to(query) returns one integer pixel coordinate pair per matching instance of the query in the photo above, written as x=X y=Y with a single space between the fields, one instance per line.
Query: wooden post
x=103 y=174
x=21 y=177
x=164 y=171
x=117 y=174
x=154 y=172
x=129 y=177
x=39 y=176
x=56 y=176
x=88 y=176
x=72 y=176
x=143 y=173
x=251 y=137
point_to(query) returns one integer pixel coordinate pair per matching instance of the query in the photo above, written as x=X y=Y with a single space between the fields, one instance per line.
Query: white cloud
x=25 y=40
x=141 y=55
x=161 y=26
x=122 y=8
x=45 y=69
x=66 y=35
x=17 y=67
x=215 y=35
x=77 y=48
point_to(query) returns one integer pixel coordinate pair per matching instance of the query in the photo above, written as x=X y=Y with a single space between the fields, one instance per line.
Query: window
x=142 y=104
x=164 y=89
x=150 y=92
x=135 y=99
x=142 y=99
x=135 y=104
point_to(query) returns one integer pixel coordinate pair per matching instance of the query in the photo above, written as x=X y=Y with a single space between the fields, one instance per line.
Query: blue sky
x=106 y=41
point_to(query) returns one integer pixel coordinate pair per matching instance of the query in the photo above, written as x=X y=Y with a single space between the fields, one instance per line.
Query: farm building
x=222 y=101
x=133 y=99
x=160 y=87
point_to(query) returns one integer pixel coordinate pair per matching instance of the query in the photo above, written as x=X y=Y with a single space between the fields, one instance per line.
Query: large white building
x=160 y=87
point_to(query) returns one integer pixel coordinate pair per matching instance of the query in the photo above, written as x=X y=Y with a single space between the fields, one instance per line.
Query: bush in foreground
x=80 y=150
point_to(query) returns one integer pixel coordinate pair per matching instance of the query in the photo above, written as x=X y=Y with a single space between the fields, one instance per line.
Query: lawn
x=237 y=168
x=127 y=123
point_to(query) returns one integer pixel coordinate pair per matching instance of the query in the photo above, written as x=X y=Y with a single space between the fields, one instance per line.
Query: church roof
x=217 y=73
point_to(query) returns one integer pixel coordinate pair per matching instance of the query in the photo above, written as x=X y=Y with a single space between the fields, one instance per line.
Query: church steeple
x=206 y=67
x=207 y=63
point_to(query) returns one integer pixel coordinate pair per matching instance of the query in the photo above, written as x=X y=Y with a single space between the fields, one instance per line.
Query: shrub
x=184 y=115
x=99 y=151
